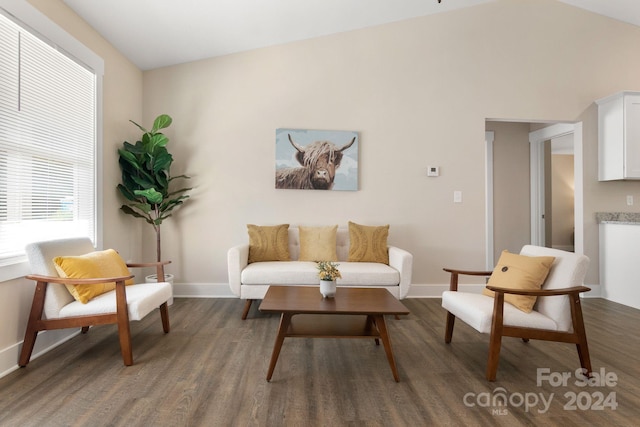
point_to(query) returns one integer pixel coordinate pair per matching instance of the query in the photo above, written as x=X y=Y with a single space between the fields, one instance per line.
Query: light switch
x=457 y=196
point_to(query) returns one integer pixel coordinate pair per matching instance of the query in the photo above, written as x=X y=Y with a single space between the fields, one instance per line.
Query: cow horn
x=296 y=146
x=348 y=145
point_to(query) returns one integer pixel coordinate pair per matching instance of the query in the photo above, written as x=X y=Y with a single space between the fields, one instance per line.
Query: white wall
x=418 y=92
x=511 y=187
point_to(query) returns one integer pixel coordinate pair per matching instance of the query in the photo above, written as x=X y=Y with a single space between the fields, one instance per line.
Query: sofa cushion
x=520 y=272
x=368 y=244
x=268 y=243
x=306 y=273
x=93 y=265
x=318 y=243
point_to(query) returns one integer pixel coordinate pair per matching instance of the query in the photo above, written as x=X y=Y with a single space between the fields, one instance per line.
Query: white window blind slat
x=47 y=143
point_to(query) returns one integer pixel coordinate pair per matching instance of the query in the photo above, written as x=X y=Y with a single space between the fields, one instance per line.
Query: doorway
x=524 y=220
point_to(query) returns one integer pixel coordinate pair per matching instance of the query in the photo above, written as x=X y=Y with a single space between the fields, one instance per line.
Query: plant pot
x=328 y=288
x=153 y=278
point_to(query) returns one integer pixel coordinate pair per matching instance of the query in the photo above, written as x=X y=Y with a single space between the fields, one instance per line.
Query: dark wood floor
x=210 y=371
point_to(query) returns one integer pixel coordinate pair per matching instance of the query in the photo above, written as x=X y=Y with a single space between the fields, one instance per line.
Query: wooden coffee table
x=352 y=313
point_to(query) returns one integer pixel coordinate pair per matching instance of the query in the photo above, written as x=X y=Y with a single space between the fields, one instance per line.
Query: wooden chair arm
x=453 y=284
x=147 y=264
x=540 y=292
x=159 y=265
x=467 y=272
x=71 y=281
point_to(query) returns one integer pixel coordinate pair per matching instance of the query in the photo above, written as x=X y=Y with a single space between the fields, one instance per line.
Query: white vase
x=153 y=278
x=328 y=288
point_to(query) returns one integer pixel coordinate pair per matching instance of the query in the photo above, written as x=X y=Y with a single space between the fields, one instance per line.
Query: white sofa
x=251 y=281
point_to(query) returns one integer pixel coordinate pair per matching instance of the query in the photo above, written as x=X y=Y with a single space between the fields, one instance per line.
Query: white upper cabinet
x=619 y=136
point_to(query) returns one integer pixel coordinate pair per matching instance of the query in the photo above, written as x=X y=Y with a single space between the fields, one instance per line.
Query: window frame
x=40 y=25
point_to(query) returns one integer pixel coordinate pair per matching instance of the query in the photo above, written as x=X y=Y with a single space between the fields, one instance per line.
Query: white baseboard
x=202 y=290
x=595 y=292
x=47 y=340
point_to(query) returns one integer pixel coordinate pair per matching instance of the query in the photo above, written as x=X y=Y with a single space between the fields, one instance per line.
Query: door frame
x=536 y=140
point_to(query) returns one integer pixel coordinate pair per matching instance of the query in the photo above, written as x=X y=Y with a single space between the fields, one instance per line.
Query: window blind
x=47 y=143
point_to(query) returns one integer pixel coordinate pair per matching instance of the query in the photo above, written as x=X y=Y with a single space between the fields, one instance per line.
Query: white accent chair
x=54 y=307
x=556 y=316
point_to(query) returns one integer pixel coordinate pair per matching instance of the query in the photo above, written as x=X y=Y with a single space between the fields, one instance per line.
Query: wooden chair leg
x=579 y=330
x=124 y=332
x=247 y=306
x=164 y=315
x=448 y=333
x=496 y=337
x=37 y=306
x=27 y=345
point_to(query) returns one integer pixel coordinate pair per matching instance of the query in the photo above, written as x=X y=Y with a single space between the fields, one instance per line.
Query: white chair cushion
x=476 y=310
x=141 y=300
x=568 y=270
x=306 y=273
x=41 y=257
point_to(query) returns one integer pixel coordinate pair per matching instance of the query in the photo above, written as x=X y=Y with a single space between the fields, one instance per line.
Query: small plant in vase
x=328 y=273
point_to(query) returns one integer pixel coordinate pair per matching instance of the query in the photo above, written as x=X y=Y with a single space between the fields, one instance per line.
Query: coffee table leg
x=370 y=325
x=384 y=336
x=285 y=321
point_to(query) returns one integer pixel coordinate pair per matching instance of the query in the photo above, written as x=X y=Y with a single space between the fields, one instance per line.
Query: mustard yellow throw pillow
x=318 y=243
x=268 y=243
x=519 y=272
x=93 y=265
x=368 y=243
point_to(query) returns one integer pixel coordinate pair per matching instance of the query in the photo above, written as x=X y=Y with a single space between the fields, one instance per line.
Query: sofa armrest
x=402 y=261
x=237 y=260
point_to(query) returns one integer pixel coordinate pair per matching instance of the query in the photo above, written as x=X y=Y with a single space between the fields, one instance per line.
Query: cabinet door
x=632 y=136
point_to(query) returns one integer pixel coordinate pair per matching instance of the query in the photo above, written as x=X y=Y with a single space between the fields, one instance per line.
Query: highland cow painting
x=316 y=159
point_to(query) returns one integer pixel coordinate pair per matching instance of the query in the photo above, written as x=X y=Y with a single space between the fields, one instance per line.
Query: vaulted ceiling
x=157 y=33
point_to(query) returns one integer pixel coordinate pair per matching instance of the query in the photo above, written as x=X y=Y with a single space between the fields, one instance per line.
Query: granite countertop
x=618 y=218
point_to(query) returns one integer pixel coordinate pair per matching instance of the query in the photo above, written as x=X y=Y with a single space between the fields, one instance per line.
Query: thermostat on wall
x=433 y=171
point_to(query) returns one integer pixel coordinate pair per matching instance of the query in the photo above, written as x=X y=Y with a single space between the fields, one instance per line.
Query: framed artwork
x=316 y=159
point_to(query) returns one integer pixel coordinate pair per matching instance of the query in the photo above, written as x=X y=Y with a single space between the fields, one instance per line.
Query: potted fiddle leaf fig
x=146 y=178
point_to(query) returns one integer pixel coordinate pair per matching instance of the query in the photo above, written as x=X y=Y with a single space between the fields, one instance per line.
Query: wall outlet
x=629 y=200
x=433 y=171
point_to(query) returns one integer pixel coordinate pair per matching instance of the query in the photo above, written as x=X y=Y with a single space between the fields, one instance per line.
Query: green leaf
x=134 y=149
x=144 y=207
x=162 y=162
x=182 y=190
x=128 y=194
x=151 y=195
x=127 y=209
x=130 y=159
x=156 y=145
x=161 y=122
